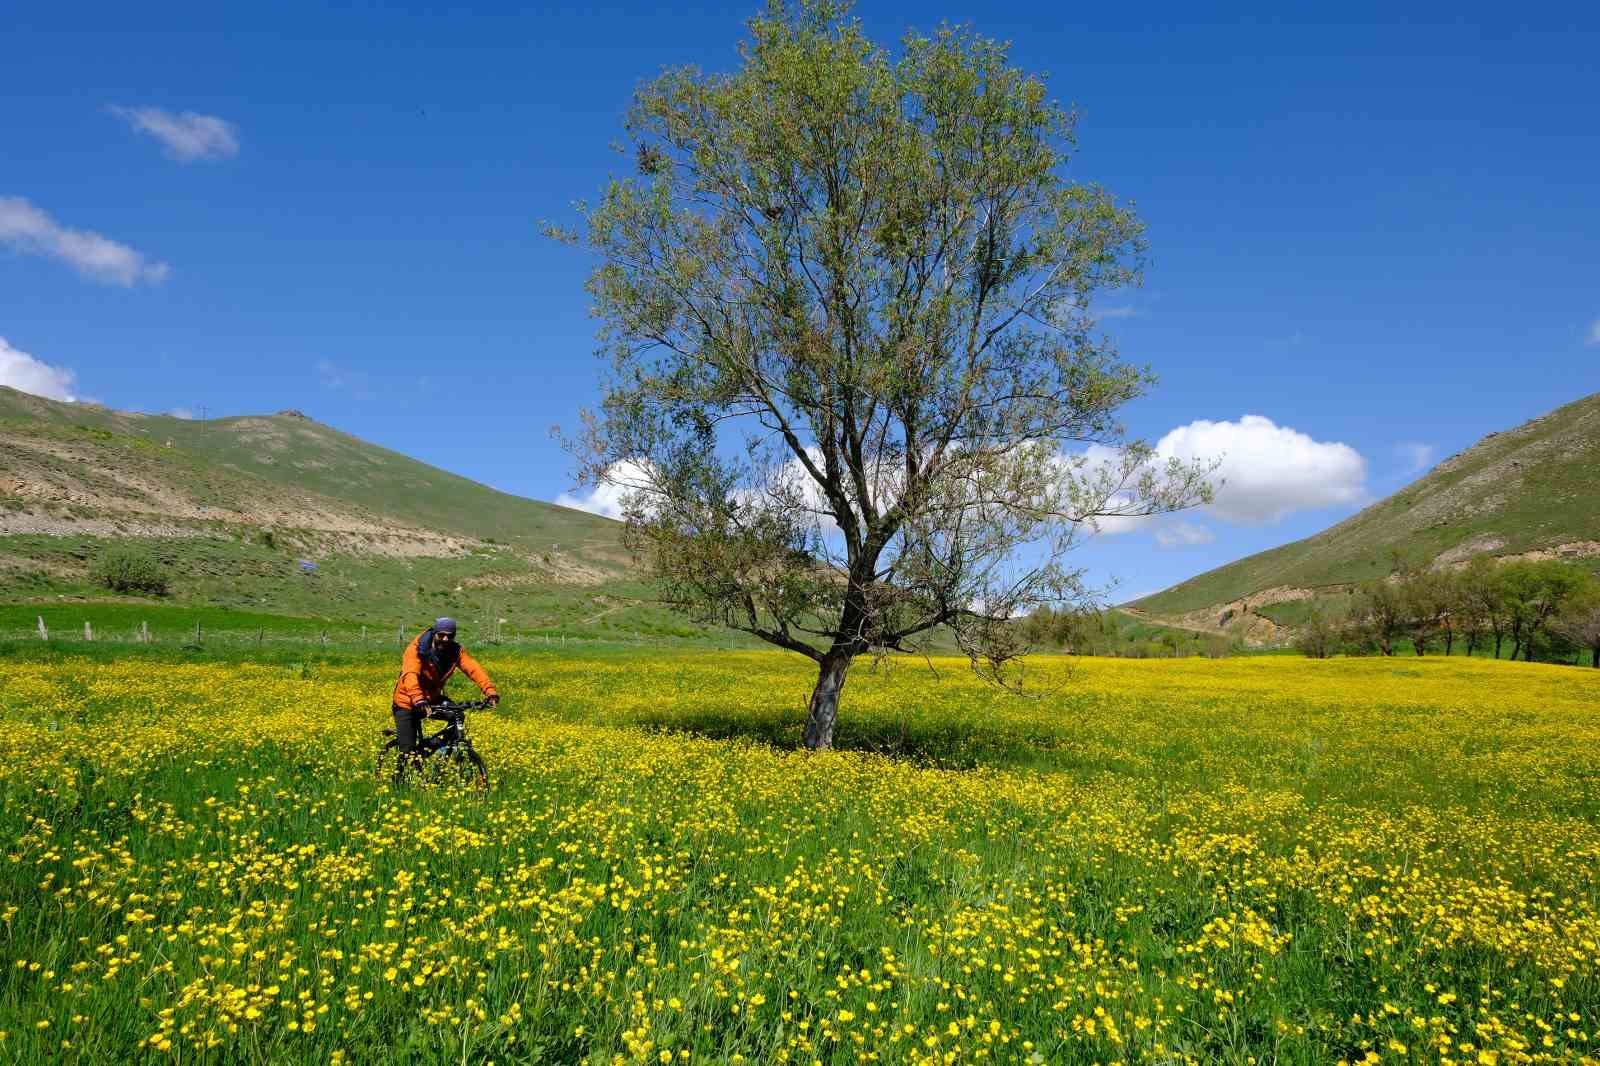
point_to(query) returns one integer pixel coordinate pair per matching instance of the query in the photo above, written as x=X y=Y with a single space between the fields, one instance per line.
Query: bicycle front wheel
x=464 y=768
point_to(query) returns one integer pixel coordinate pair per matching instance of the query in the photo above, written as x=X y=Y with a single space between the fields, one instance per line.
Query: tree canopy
x=856 y=389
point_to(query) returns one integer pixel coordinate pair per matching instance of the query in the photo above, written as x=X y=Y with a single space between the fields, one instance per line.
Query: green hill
x=232 y=507
x=221 y=462
x=1527 y=491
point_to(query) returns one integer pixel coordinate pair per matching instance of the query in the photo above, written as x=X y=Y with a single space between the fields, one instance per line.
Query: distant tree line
x=1539 y=611
x=1091 y=632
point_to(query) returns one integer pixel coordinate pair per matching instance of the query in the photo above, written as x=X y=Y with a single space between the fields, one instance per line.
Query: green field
x=1242 y=860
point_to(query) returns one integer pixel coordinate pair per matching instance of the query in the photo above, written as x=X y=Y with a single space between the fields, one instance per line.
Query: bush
x=130 y=570
x=1318 y=638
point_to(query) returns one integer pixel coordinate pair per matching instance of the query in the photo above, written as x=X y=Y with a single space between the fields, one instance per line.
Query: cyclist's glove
x=494 y=700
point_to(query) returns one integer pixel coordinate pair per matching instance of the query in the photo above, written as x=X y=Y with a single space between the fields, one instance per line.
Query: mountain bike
x=444 y=758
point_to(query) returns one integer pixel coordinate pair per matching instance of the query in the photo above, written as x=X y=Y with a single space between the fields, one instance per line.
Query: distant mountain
x=1532 y=490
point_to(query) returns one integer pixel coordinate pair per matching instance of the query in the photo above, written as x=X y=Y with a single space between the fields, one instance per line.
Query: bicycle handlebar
x=448 y=705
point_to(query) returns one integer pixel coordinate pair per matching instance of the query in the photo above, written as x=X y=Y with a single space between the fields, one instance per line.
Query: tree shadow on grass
x=948 y=745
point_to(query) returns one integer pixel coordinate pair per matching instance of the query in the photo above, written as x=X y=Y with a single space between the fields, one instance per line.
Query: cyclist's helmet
x=445 y=625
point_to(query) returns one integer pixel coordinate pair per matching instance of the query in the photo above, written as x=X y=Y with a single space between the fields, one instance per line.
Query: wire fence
x=343 y=638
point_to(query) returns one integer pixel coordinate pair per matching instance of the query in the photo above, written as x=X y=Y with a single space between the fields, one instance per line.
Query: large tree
x=857 y=392
x=1535 y=592
x=1579 y=620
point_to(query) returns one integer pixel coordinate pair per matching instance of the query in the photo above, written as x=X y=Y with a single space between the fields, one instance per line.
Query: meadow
x=1239 y=860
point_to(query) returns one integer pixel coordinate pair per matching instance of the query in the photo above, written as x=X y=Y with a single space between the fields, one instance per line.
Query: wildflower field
x=1250 y=860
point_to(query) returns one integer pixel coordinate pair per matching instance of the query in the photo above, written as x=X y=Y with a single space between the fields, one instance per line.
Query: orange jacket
x=422 y=679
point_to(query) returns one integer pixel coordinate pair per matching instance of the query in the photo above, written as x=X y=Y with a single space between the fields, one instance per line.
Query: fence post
x=44 y=634
x=400 y=635
x=363 y=636
x=144 y=632
x=324 y=638
x=88 y=630
x=261 y=632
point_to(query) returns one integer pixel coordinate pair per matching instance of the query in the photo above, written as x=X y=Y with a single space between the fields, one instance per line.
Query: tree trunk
x=825 y=701
x=1497 y=639
x=1516 y=647
x=1472 y=644
x=1449 y=641
x=1595 y=663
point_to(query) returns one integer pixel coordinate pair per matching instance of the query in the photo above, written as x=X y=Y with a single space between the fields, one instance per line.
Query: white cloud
x=1594 y=332
x=22 y=371
x=1183 y=535
x=1267 y=471
x=1101 y=313
x=1415 y=455
x=609 y=497
x=28 y=229
x=187 y=136
x=182 y=412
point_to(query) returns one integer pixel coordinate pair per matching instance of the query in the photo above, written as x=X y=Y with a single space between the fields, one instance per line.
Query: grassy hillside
x=233 y=506
x=1530 y=489
x=288 y=458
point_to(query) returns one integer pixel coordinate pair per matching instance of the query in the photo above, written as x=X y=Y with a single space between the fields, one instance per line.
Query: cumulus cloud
x=188 y=136
x=22 y=371
x=609 y=497
x=30 y=230
x=1594 y=332
x=1415 y=455
x=1267 y=471
x=1183 y=535
x=788 y=480
x=185 y=413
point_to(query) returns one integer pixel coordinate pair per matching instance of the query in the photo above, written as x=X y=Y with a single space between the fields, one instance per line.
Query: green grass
x=346 y=592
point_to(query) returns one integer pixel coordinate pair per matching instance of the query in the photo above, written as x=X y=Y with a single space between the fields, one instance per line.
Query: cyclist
x=426 y=665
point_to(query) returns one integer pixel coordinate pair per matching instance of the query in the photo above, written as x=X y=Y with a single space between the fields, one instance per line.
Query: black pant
x=407 y=731
x=407 y=728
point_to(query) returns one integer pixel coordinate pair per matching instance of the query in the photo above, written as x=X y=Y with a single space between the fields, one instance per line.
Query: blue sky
x=1376 y=228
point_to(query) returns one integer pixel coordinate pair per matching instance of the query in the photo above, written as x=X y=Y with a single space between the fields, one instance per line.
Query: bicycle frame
x=452 y=744
x=445 y=741
x=453 y=736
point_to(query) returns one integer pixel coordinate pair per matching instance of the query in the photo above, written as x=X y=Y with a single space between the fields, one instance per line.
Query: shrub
x=130 y=570
x=1318 y=638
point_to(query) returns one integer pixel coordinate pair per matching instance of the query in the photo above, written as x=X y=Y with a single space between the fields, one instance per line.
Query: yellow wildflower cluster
x=1179 y=861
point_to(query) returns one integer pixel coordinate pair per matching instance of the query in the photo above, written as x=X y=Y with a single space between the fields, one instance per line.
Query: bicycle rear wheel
x=388 y=758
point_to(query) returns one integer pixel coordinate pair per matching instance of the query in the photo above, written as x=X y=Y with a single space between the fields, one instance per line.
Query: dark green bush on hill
x=129 y=570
